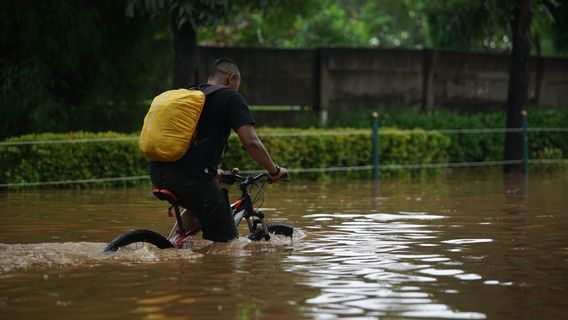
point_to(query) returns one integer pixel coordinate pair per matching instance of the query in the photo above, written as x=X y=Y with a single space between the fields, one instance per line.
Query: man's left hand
x=282 y=174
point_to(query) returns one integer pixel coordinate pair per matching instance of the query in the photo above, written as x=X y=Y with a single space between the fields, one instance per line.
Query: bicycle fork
x=253 y=218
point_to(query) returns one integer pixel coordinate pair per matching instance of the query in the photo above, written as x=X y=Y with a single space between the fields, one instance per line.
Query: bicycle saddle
x=165 y=194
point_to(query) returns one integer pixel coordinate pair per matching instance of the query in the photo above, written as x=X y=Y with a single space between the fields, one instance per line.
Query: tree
x=63 y=66
x=517 y=99
x=184 y=16
x=276 y=23
x=555 y=25
x=320 y=23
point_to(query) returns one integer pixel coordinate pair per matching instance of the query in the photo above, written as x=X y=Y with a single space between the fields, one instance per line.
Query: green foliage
x=324 y=151
x=556 y=26
x=202 y=12
x=320 y=23
x=330 y=26
x=271 y=23
x=89 y=160
x=394 y=23
x=307 y=149
x=88 y=65
x=482 y=25
x=463 y=24
x=486 y=25
x=75 y=65
x=467 y=147
x=70 y=161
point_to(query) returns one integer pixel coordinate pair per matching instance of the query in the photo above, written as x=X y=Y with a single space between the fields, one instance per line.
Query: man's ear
x=232 y=78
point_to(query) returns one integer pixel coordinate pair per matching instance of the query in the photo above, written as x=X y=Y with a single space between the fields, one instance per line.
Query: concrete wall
x=270 y=76
x=367 y=77
x=470 y=79
x=553 y=89
x=338 y=79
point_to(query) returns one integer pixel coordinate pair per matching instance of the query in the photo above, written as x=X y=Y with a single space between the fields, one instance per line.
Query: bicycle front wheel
x=273 y=228
x=134 y=236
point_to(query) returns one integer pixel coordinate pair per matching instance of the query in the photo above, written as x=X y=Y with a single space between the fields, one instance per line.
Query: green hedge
x=73 y=161
x=476 y=146
x=70 y=161
x=489 y=146
x=324 y=151
x=311 y=148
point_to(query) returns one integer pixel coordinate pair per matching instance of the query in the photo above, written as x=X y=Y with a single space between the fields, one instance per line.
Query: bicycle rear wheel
x=273 y=228
x=138 y=236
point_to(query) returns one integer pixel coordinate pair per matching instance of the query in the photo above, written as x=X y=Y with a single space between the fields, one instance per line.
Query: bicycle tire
x=133 y=236
x=276 y=228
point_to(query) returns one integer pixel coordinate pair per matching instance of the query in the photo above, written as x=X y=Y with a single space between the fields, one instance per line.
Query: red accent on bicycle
x=243 y=208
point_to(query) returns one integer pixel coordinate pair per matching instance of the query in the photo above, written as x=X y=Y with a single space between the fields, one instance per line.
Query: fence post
x=323 y=84
x=525 y=139
x=428 y=62
x=375 y=145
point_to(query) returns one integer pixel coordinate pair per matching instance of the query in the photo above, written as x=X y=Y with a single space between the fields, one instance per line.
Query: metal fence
x=374 y=163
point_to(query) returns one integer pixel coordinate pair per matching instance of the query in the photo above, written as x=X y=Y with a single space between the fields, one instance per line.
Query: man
x=193 y=178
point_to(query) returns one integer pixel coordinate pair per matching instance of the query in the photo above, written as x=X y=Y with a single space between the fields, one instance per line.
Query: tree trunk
x=518 y=82
x=185 y=54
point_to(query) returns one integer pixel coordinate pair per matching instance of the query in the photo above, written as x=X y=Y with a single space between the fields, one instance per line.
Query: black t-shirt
x=224 y=110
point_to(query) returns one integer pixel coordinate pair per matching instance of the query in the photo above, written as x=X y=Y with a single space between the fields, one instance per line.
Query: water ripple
x=467 y=241
x=380 y=264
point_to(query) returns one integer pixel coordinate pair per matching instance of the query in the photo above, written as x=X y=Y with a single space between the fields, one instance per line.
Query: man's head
x=225 y=72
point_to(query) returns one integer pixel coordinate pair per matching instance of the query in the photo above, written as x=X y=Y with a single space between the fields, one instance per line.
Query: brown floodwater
x=471 y=245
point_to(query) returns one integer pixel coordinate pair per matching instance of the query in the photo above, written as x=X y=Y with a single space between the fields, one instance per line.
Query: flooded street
x=473 y=245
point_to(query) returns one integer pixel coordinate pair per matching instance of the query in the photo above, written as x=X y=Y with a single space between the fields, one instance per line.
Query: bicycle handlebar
x=230 y=177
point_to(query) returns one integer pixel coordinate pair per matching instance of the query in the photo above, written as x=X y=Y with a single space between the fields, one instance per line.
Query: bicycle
x=242 y=208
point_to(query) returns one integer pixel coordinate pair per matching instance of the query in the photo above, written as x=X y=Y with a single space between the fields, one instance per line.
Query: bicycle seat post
x=165 y=194
x=178 y=219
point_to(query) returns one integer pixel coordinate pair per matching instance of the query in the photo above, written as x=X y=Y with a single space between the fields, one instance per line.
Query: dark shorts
x=203 y=197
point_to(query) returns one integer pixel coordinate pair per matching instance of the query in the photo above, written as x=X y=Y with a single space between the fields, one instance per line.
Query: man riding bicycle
x=194 y=177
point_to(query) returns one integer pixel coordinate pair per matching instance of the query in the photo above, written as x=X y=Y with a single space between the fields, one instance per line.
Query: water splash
x=56 y=255
x=68 y=254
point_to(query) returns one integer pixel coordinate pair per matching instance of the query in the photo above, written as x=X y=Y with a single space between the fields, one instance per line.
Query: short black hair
x=222 y=66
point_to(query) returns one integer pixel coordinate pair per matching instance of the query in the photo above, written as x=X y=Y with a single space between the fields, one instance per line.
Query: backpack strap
x=210 y=90
x=213 y=88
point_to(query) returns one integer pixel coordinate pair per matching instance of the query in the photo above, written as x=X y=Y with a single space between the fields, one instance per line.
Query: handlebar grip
x=228 y=178
x=286 y=178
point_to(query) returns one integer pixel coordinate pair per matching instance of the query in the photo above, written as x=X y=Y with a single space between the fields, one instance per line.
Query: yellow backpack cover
x=171 y=122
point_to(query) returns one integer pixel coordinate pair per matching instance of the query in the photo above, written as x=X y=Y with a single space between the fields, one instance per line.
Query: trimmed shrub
x=44 y=162
x=317 y=150
x=306 y=149
x=469 y=147
x=70 y=161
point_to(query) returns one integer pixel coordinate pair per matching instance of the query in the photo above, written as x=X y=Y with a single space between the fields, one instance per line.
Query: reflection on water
x=373 y=265
x=464 y=247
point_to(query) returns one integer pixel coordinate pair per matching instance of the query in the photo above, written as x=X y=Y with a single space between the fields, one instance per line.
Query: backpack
x=170 y=125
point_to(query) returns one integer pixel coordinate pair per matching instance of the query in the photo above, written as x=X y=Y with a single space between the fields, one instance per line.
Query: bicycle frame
x=242 y=208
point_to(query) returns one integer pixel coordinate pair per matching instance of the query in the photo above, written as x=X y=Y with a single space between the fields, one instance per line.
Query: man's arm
x=252 y=144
